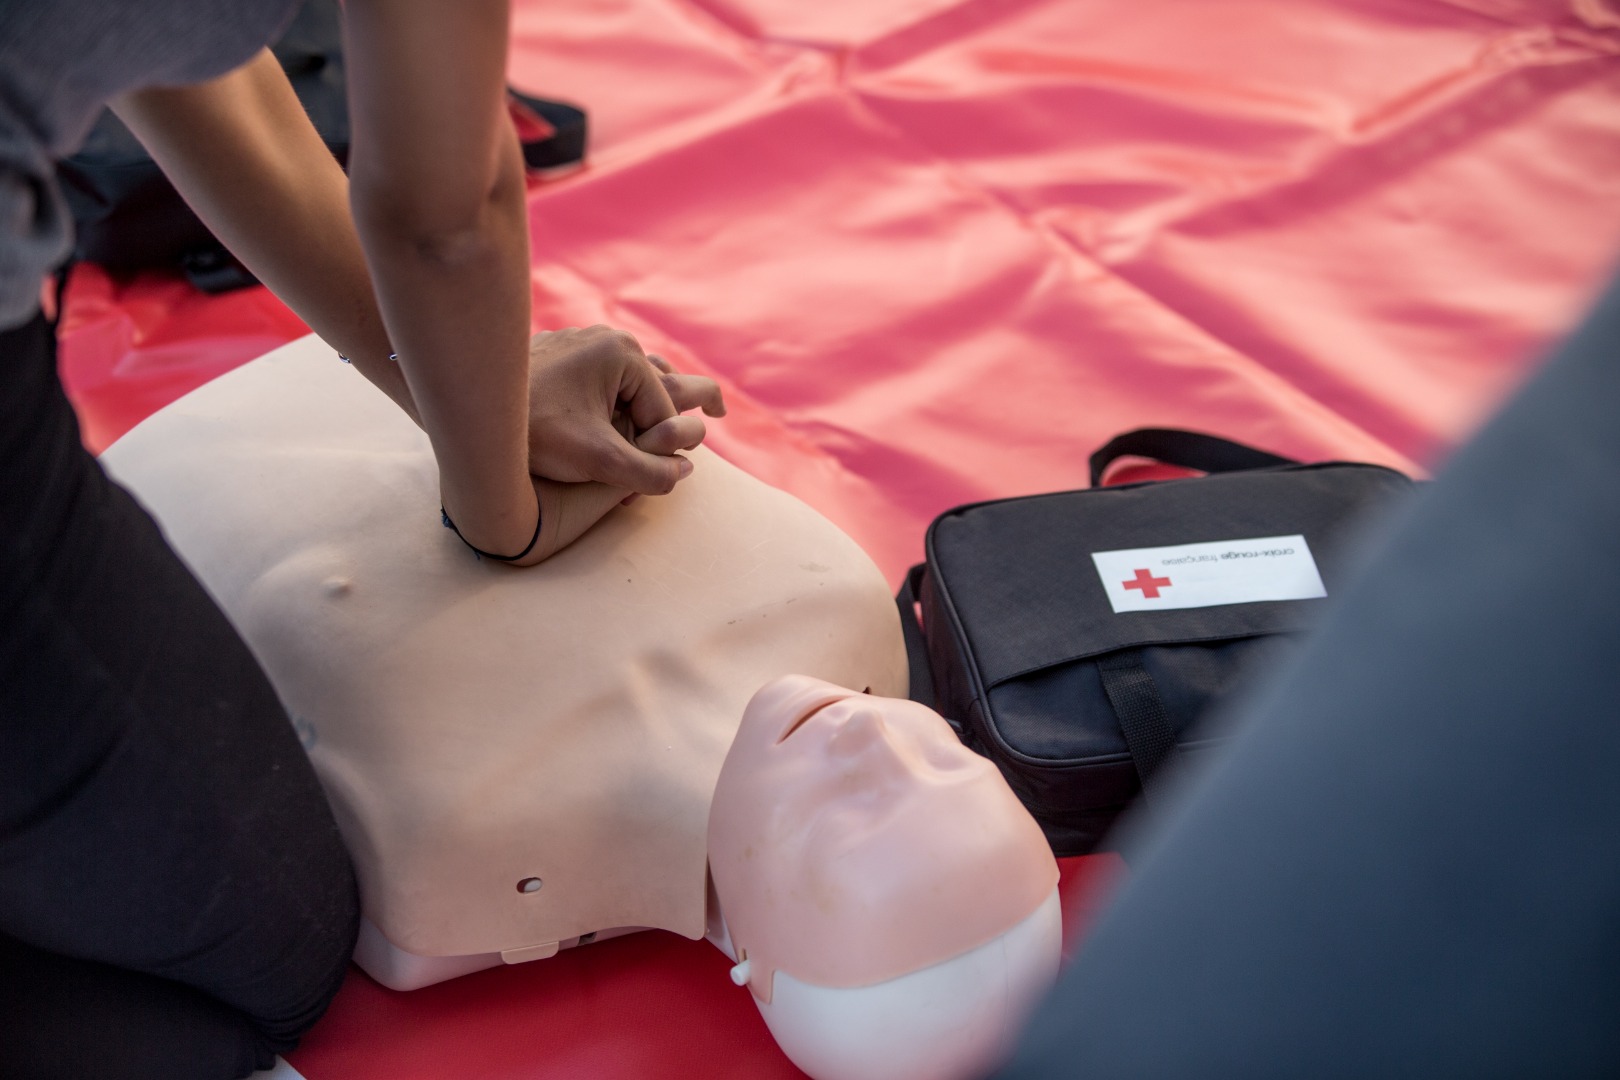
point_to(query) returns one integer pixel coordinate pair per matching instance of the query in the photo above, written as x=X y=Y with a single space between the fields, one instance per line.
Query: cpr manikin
x=889 y=902
x=520 y=760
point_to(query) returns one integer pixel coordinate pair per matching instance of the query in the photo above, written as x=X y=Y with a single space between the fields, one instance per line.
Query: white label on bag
x=1207 y=575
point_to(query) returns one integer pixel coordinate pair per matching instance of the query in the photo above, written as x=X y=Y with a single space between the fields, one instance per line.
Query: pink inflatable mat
x=939 y=250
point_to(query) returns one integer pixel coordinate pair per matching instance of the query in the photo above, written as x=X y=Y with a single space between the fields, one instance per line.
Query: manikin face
x=853 y=839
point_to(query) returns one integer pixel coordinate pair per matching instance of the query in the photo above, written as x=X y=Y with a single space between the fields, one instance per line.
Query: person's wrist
x=493 y=518
x=534 y=537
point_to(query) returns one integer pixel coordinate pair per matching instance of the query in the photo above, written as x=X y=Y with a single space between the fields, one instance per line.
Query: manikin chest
x=517 y=758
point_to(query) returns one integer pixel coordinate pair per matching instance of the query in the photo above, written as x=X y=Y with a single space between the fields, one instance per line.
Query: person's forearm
x=242 y=152
x=442 y=276
x=436 y=182
x=453 y=283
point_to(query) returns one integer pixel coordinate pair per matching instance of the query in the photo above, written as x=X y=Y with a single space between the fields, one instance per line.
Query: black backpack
x=128 y=216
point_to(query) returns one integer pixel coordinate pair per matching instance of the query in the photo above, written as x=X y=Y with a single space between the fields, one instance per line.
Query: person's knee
x=67 y=1018
x=306 y=978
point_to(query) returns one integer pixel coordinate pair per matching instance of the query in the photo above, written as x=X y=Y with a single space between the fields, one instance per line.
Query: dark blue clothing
x=1408 y=861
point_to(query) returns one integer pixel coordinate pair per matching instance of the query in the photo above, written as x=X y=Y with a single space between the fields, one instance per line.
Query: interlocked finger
x=676 y=433
x=689 y=392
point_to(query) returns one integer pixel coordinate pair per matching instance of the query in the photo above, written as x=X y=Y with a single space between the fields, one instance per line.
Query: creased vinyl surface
x=939 y=251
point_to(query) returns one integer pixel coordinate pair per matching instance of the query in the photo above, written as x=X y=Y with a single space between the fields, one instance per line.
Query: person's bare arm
x=243 y=153
x=436 y=184
x=438 y=196
x=437 y=187
x=445 y=243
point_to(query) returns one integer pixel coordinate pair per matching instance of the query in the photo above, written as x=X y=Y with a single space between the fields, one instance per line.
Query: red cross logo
x=1149 y=584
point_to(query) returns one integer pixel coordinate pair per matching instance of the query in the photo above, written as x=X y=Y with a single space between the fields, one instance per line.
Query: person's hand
x=568 y=510
x=688 y=392
x=583 y=381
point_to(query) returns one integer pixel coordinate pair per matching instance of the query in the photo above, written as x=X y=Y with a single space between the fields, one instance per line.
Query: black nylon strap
x=1141 y=714
x=922 y=676
x=1188 y=449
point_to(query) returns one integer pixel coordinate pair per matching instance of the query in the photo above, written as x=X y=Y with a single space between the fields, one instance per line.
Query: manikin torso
x=520 y=759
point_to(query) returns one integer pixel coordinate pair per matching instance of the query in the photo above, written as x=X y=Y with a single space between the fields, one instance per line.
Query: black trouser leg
x=157 y=814
x=65 y=1018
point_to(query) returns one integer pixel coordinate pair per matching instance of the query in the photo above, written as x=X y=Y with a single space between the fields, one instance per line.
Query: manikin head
x=890 y=902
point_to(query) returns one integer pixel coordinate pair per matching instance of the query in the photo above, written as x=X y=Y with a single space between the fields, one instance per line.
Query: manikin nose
x=864 y=737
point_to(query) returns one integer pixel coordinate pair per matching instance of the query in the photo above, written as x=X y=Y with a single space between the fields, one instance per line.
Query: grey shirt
x=60 y=62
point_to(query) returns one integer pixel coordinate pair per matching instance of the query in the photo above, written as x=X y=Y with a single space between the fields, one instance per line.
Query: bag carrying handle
x=922 y=674
x=1188 y=449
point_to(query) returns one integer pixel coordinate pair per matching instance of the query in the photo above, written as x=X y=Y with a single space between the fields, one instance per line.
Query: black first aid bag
x=1077 y=638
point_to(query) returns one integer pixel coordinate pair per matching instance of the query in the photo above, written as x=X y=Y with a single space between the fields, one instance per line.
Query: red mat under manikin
x=937 y=251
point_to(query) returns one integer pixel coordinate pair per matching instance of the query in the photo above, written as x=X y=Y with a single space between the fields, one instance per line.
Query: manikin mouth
x=799 y=723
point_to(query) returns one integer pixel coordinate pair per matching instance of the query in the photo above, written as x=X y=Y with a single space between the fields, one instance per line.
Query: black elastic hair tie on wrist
x=444 y=516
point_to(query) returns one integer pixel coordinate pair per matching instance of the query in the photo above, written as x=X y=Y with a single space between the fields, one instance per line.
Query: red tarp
x=937 y=251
